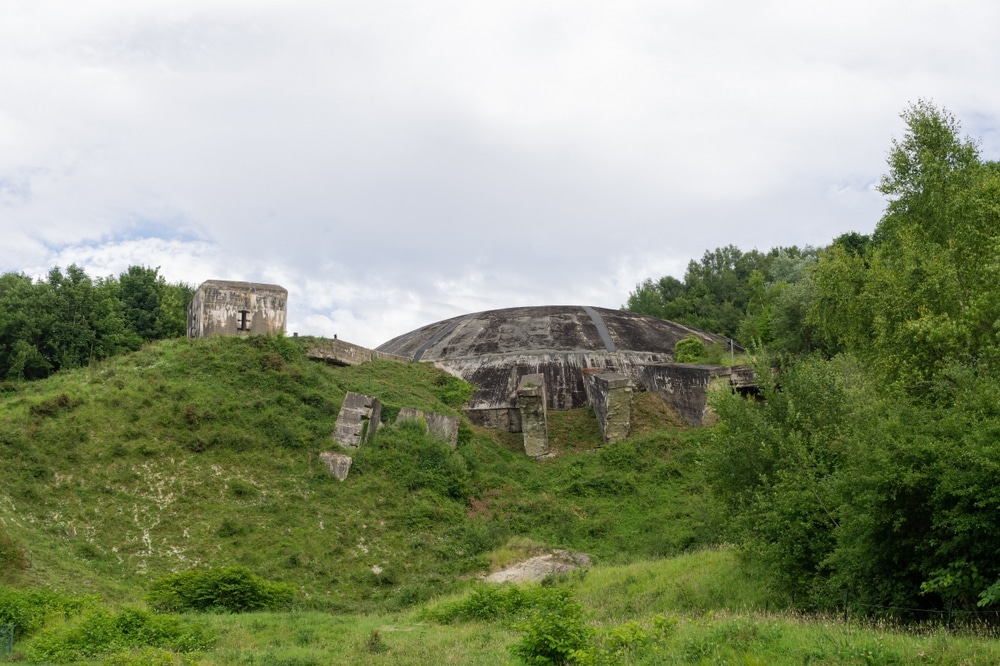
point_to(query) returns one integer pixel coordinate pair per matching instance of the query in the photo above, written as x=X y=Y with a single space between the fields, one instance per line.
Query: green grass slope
x=205 y=453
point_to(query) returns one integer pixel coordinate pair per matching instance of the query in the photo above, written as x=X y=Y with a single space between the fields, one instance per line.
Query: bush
x=100 y=631
x=226 y=589
x=689 y=350
x=27 y=610
x=53 y=406
x=505 y=603
x=452 y=391
x=555 y=633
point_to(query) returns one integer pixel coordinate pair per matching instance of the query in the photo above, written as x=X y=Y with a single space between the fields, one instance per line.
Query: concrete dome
x=542 y=330
x=493 y=350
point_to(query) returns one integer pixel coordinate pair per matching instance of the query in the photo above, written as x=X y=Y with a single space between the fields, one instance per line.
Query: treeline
x=68 y=319
x=754 y=297
x=870 y=471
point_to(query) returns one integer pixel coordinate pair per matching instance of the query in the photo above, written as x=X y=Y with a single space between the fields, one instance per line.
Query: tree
x=921 y=296
x=872 y=473
x=141 y=291
x=67 y=320
x=927 y=168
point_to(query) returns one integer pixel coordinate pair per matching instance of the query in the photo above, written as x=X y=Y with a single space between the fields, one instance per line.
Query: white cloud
x=393 y=163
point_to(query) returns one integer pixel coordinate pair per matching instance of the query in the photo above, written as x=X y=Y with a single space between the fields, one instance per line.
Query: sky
x=396 y=163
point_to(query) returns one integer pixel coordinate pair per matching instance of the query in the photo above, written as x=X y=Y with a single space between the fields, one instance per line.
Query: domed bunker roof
x=544 y=330
x=494 y=349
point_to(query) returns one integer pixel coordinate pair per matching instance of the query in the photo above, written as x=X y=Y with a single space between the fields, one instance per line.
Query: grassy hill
x=195 y=454
x=205 y=452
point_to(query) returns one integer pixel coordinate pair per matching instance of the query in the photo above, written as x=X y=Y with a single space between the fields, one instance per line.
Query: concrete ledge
x=339 y=352
x=498 y=418
x=686 y=386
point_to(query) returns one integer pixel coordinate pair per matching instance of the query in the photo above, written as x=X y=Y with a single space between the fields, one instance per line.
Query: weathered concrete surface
x=221 y=307
x=540 y=567
x=357 y=421
x=534 y=423
x=493 y=350
x=339 y=352
x=686 y=387
x=337 y=464
x=440 y=426
x=610 y=395
x=499 y=418
x=562 y=328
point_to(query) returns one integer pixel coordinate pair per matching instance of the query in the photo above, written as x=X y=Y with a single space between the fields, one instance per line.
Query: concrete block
x=337 y=464
x=357 y=421
x=534 y=419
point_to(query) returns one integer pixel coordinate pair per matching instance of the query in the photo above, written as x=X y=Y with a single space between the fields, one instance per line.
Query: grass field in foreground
x=698 y=608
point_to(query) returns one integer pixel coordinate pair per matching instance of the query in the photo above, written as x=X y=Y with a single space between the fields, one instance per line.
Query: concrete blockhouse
x=221 y=307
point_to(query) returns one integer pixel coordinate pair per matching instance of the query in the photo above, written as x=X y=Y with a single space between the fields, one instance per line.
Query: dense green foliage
x=220 y=589
x=751 y=296
x=66 y=320
x=555 y=632
x=507 y=604
x=689 y=350
x=869 y=472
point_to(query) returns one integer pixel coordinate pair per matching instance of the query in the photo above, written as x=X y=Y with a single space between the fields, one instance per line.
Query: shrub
x=452 y=391
x=505 y=603
x=555 y=633
x=689 y=350
x=27 y=610
x=53 y=406
x=375 y=644
x=225 y=589
x=632 y=642
x=100 y=631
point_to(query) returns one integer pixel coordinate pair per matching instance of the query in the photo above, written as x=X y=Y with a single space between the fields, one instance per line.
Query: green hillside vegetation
x=200 y=455
x=204 y=453
x=189 y=454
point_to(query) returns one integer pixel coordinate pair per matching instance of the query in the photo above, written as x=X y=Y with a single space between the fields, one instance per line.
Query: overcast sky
x=396 y=163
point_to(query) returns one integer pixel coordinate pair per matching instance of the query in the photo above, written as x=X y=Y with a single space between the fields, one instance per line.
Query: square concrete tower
x=221 y=307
